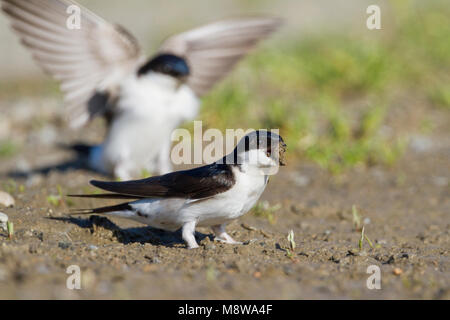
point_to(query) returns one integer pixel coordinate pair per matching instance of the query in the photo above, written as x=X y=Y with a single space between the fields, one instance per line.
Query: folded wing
x=197 y=183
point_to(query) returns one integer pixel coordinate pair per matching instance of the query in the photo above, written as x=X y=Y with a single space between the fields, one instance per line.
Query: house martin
x=212 y=195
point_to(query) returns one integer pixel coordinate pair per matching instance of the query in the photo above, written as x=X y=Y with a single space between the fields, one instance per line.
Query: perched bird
x=212 y=195
x=103 y=72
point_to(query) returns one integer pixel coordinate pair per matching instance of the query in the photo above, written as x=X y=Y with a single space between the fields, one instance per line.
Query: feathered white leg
x=188 y=234
x=222 y=236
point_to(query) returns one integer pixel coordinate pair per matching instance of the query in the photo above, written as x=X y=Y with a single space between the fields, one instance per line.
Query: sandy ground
x=405 y=210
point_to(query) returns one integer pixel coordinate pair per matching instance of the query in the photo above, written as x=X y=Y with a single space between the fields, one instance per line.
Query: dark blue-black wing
x=196 y=183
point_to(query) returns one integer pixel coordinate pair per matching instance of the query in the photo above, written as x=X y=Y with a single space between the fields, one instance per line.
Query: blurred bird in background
x=103 y=72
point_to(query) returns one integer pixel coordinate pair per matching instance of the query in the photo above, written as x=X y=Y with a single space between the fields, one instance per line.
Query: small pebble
x=6 y=199
x=245 y=243
x=295 y=209
x=210 y=246
x=250 y=228
x=42 y=269
x=397 y=271
x=300 y=180
x=421 y=144
x=440 y=181
x=33 y=180
x=64 y=245
x=156 y=260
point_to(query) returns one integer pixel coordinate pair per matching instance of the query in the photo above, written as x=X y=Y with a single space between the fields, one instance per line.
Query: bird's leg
x=222 y=235
x=188 y=234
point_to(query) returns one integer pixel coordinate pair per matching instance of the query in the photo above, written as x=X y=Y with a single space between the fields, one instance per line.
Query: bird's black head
x=168 y=64
x=270 y=142
x=260 y=148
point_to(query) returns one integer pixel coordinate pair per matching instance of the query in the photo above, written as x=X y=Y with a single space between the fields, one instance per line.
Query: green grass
x=59 y=199
x=440 y=96
x=8 y=149
x=331 y=95
x=265 y=211
x=9 y=186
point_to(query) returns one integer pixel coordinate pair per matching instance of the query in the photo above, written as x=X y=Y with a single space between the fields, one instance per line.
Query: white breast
x=228 y=205
x=171 y=214
x=150 y=108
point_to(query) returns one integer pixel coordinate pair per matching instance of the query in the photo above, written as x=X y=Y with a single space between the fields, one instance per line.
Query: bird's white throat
x=256 y=162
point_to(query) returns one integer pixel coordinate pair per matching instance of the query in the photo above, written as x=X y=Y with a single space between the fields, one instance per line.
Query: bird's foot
x=226 y=238
x=222 y=236
x=192 y=246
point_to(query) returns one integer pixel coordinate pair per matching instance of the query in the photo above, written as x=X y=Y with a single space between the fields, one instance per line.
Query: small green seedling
x=368 y=241
x=361 y=240
x=54 y=200
x=356 y=218
x=292 y=246
x=10 y=228
x=289 y=254
x=291 y=240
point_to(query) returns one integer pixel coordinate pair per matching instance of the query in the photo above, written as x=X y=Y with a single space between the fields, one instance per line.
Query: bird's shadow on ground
x=62 y=167
x=78 y=162
x=130 y=235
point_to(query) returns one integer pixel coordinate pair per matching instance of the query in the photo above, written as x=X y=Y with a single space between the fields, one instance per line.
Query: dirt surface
x=405 y=210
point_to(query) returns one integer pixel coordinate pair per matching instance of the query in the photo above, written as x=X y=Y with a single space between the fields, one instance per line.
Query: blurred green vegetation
x=331 y=95
x=8 y=149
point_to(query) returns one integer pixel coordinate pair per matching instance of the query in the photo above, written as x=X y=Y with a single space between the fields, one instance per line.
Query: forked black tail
x=120 y=207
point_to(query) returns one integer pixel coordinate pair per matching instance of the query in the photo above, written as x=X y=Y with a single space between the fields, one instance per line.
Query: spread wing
x=84 y=60
x=197 y=183
x=212 y=50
